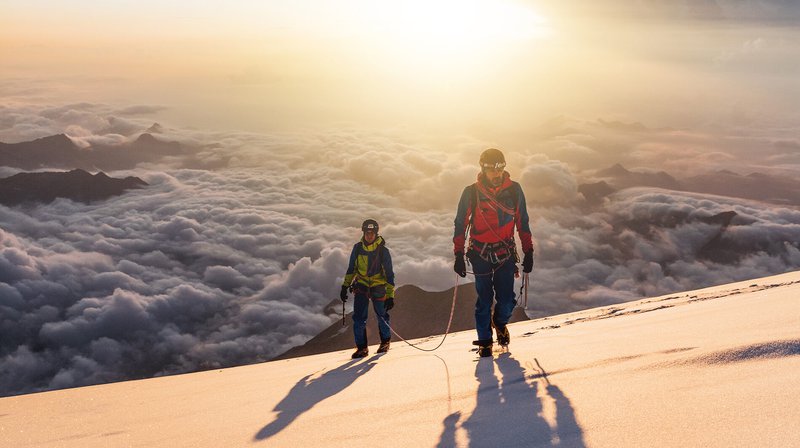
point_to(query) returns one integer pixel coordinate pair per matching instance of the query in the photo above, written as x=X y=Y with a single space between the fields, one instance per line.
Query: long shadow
x=308 y=392
x=568 y=431
x=508 y=412
x=448 y=437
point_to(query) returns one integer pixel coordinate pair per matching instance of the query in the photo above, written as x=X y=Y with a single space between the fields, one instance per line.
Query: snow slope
x=407 y=319
x=717 y=367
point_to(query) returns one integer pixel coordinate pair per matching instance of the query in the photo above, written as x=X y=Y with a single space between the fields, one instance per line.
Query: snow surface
x=717 y=367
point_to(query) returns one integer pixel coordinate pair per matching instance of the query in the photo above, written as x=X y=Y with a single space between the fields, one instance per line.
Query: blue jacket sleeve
x=351 y=267
x=463 y=215
x=522 y=224
x=388 y=270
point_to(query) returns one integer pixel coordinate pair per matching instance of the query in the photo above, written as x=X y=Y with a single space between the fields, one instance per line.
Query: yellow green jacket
x=371 y=265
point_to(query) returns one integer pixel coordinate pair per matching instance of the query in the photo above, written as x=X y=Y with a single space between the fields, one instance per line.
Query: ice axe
x=523 y=288
x=343 y=321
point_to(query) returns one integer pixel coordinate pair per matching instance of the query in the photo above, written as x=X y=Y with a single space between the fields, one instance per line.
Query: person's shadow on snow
x=508 y=411
x=308 y=392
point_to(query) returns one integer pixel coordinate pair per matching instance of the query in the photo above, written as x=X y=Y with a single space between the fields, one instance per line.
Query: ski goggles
x=370 y=228
x=493 y=166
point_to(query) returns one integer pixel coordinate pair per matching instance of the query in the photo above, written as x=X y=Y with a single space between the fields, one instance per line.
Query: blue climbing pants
x=493 y=286
x=360 y=310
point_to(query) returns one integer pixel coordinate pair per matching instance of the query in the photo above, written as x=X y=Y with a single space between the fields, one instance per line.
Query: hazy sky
x=486 y=68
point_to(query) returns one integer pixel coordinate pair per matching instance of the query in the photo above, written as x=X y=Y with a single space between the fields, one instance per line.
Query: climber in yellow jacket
x=371 y=278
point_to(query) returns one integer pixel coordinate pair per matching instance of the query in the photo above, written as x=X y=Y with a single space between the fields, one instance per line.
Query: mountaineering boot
x=384 y=347
x=484 y=347
x=360 y=353
x=503 y=337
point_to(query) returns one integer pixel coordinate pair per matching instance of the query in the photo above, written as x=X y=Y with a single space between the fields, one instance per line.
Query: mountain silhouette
x=77 y=185
x=59 y=151
x=595 y=192
x=54 y=151
x=155 y=128
x=773 y=189
x=759 y=186
x=623 y=178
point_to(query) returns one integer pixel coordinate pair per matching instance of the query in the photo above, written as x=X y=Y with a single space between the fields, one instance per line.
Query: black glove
x=527 y=262
x=389 y=303
x=343 y=294
x=460 y=265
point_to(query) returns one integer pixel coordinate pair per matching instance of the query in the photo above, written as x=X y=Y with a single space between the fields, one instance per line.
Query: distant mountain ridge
x=757 y=186
x=77 y=185
x=53 y=151
x=624 y=178
x=59 y=151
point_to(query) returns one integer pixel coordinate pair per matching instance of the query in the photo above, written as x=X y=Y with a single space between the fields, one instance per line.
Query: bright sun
x=447 y=32
x=456 y=23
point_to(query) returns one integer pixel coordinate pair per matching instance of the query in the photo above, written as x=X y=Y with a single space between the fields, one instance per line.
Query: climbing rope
x=452 y=311
x=449 y=322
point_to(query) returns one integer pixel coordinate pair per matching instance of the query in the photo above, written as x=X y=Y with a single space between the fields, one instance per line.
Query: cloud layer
x=205 y=269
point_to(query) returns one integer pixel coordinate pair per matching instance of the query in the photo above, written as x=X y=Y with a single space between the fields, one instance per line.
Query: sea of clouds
x=213 y=268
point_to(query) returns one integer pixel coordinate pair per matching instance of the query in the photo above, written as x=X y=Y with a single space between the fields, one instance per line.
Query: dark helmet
x=369 y=224
x=492 y=158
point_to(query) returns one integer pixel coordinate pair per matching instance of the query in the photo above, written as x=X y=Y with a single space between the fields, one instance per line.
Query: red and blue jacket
x=492 y=213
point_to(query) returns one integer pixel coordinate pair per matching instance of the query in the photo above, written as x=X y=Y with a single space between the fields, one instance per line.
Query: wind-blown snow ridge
x=714 y=367
x=772 y=349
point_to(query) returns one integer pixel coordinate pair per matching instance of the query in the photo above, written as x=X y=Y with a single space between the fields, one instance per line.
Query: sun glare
x=457 y=24
x=445 y=38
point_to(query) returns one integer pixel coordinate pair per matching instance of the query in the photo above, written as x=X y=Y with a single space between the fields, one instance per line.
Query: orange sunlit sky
x=443 y=66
